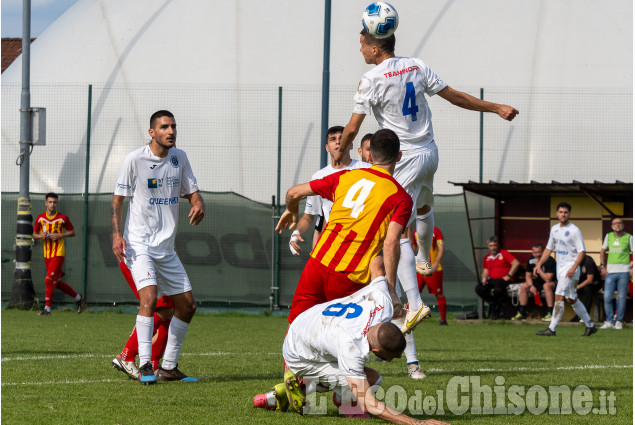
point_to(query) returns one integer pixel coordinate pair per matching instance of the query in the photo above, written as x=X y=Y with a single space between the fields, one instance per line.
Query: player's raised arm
x=351 y=130
x=290 y=217
x=465 y=101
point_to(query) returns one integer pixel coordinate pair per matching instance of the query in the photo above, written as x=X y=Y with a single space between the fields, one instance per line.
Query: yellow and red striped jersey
x=55 y=224
x=365 y=201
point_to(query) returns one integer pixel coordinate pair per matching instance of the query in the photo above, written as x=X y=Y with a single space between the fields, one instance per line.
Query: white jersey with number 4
x=336 y=331
x=316 y=205
x=395 y=91
x=567 y=243
x=155 y=186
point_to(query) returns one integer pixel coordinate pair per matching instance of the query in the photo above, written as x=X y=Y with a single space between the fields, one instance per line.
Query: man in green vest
x=616 y=271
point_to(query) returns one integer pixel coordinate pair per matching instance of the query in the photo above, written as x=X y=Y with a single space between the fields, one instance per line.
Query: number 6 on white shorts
x=356 y=205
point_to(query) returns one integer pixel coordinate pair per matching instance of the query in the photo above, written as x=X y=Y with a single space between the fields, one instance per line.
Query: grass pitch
x=57 y=370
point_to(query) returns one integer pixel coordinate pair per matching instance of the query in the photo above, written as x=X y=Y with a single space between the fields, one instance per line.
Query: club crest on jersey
x=566 y=233
x=154 y=183
x=174 y=161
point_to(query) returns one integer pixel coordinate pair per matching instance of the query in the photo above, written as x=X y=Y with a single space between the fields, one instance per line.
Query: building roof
x=617 y=190
x=11 y=49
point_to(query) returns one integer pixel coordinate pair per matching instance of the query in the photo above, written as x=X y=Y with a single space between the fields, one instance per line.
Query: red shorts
x=434 y=283
x=54 y=267
x=319 y=284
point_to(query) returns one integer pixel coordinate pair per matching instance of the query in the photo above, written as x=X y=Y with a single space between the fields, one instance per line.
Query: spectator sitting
x=499 y=267
x=589 y=284
x=545 y=280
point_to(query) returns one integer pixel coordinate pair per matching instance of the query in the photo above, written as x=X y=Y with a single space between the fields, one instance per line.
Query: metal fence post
x=86 y=188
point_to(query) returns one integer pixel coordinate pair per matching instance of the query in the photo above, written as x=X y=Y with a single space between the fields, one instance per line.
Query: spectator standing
x=616 y=269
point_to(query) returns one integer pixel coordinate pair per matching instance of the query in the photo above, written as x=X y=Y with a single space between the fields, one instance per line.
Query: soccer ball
x=380 y=19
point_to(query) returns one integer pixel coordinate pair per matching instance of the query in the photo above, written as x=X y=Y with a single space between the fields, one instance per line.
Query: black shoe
x=546 y=332
x=443 y=323
x=146 y=374
x=80 y=305
x=44 y=313
x=173 y=375
x=590 y=330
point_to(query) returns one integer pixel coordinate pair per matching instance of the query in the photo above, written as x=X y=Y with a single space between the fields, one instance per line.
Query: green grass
x=56 y=370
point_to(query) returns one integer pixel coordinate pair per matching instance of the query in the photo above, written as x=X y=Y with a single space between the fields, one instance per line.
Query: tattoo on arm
x=115 y=213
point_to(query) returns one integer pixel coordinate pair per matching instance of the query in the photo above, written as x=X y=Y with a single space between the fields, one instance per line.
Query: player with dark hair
x=53 y=227
x=319 y=207
x=394 y=90
x=565 y=238
x=364 y=148
x=155 y=177
x=369 y=206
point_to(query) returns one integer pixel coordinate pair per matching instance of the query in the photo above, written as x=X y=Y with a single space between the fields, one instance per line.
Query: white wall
x=565 y=64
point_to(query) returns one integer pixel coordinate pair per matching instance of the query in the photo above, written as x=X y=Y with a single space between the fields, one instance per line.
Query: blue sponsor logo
x=164 y=201
x=123 y=186
x=153 y=183
x=172 y=181
x=559 y=252
x=339 y=309
x=174 y=161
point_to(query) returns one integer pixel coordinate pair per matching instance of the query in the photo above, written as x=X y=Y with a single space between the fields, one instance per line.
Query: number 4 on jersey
x=410 y=102
x=356 y=203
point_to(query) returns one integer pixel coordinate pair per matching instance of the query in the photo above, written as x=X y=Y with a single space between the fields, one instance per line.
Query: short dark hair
x=386 y=45
x=563 y=205
x=390 y=338
x=51 y=195
x=492 y=239
x=537 y=245
x=159 y=114
x=333 y=130
x=367 y=136
x=384 y=146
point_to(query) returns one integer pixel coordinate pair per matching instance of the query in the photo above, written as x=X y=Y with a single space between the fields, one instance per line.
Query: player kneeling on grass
x=327 y=346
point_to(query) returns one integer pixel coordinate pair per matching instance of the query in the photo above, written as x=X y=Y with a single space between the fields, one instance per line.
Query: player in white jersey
x=155 y=177
x=395 y=92
x=316 y=206
x=328 y=346
x=566 y=240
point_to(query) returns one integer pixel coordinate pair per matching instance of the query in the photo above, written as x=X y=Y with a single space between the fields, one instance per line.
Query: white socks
x=407 y=274
x=176 y=335
x=411 y=349
x=145 y=326
x=558 y=311
x=580 y=310
x=425 y=230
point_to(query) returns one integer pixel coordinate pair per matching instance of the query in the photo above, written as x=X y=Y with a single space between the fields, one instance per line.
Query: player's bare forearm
x=197 y=212
x=466 y=101
x=350 y=131
x=118 y=242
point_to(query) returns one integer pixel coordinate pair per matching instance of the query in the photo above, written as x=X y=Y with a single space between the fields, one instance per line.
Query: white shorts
x=166 y=273
x=327 y=374
x=415 y=173
x=567 y=286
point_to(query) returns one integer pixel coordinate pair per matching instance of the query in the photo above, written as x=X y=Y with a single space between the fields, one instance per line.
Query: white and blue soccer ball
x=380 y=19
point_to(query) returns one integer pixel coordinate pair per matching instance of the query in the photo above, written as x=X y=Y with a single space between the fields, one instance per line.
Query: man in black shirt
x=544 y=281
